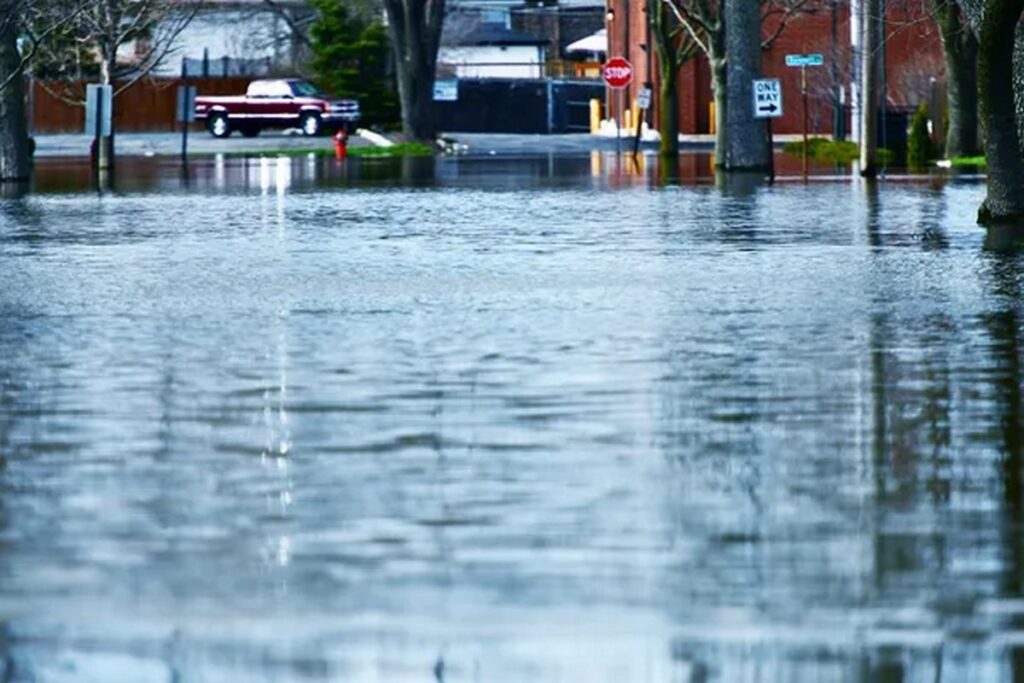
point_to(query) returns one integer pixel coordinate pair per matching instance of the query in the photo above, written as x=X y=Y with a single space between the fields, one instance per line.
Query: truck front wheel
x=310 y=124
x=219 y=125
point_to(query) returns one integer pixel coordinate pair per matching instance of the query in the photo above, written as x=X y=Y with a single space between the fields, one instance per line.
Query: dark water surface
x=506 y=421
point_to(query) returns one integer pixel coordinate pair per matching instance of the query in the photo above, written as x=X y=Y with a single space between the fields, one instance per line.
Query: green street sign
x=805 y=60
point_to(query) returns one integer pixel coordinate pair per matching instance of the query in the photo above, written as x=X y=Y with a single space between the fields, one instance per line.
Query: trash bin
x=892 y=134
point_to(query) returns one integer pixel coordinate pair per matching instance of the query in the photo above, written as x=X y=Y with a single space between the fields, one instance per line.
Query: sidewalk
x=505 y=144
x=169 y=144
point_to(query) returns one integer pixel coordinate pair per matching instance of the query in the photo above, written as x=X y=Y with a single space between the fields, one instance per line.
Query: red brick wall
x=913 y=57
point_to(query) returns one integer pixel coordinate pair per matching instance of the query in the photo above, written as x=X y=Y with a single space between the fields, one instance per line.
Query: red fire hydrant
x=341 y=145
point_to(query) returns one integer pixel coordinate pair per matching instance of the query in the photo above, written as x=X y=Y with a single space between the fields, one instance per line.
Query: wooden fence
x=147 y=106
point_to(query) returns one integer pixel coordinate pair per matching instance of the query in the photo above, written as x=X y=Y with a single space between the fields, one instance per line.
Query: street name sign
x=805 y=60
x=767 y=98
x=617 y=72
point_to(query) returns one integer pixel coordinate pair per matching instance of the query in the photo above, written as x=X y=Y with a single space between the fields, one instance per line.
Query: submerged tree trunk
x=746 y=143
x=105 y=149
x=15 y=154
x=415 y=27
x=668 y=67
x=960 y=49
x=997 y=30
x=869 y=89
x=719 y=86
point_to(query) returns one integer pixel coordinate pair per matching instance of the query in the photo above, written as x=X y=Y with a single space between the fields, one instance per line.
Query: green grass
x=404 y=149
x=976 y=162
x=824 y=150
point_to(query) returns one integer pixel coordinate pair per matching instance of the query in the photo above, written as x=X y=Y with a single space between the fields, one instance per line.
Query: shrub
x=824 y=150
x=920 y=150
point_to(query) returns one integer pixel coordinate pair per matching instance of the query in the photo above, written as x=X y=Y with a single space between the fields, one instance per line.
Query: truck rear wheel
x=310 y=124
x=219 y=125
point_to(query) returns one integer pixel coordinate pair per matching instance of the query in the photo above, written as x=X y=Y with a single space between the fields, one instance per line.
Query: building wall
x=913 y=59
x=237 y=33
x=491 y=61
x=559 y=25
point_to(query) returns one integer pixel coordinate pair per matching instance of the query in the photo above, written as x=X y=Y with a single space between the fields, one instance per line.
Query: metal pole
x=771 y=152
x=98 y=141
x=883 y=99
x=618 y=126
x=803 y=90
x=183 y=114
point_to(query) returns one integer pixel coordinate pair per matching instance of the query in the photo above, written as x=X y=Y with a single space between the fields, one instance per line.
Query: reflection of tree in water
x=1003 y=328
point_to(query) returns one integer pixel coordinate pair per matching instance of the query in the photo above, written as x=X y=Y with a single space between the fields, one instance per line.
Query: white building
x=244 y=35
x=492 y=51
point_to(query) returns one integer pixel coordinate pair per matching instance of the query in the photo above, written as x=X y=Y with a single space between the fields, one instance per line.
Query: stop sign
x=617 y=72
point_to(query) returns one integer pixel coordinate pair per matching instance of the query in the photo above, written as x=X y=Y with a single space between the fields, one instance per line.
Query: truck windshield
x=305 y=89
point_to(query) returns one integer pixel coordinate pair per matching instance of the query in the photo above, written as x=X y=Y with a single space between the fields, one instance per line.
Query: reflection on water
x=506 y=420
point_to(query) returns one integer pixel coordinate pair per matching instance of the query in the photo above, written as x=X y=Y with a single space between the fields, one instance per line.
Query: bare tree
x=27 y=23
x=997 y=24
x=705 y=22
x=415 y=28
x=105 y=30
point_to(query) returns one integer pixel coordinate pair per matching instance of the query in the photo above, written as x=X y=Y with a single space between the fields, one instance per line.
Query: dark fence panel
x=571 y=105
x=507 y=105
x=496 y=105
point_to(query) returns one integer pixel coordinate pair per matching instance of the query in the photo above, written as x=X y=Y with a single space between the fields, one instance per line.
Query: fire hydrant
x=341 y=145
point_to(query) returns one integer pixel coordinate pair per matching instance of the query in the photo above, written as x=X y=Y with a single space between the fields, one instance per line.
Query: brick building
x=915 y=71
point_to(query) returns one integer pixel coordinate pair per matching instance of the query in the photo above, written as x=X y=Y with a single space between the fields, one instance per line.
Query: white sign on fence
x=99 y=102
x=767 y=98
x=446 y=91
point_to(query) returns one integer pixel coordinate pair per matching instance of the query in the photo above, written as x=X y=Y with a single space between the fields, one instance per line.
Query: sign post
x=802 y=62
x=186 y=114
x=617 y=73
x=643 y=102
x=768 y=106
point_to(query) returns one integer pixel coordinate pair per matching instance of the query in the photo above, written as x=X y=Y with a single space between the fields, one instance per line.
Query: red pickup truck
x=278 y=103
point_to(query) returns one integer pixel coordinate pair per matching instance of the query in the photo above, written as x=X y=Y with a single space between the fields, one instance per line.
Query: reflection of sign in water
x=805 y=60
x=99 y=104
x=446 y=91
x=767 y=98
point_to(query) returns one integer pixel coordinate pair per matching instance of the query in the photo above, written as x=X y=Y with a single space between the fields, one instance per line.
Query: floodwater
x=538 y=419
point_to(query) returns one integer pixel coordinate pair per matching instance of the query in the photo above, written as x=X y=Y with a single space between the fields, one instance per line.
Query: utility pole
x=869 y=78
x=856 y=43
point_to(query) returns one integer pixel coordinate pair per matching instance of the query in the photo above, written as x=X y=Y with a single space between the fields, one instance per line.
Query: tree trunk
x=746 y=144
x=1004 y=203
x=721 y=94
x=960 y=49
x=668 y=115
x=105 y=147
x=15 y=155
x=415 y=28
x=869 y=89
x=668 y=66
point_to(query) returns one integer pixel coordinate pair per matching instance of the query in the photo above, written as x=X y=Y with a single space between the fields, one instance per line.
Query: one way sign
x=767 y=98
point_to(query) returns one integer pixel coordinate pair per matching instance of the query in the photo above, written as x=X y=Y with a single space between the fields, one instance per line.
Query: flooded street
x=506 y=420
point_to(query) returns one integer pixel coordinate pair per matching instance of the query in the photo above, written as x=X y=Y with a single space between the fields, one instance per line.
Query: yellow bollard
x=595 y=115
x=627 y=123
x=711 y=110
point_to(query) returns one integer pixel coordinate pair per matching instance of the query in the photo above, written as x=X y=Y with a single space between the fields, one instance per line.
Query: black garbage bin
x=892 y=134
